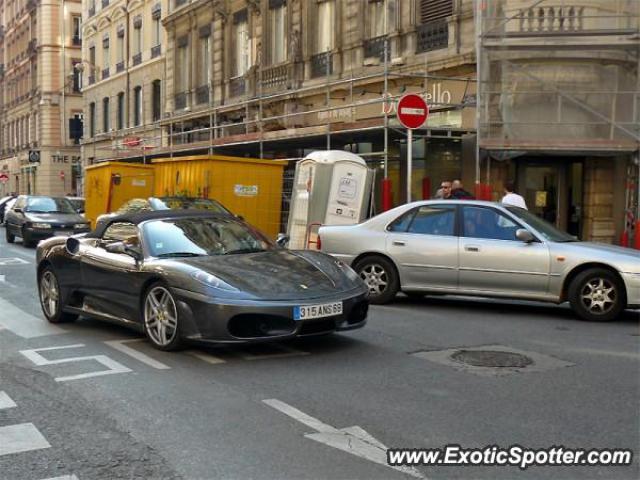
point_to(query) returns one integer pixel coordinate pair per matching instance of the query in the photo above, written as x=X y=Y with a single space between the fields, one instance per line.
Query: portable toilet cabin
x=331 y=187
x=249 y=187
x=108 y=185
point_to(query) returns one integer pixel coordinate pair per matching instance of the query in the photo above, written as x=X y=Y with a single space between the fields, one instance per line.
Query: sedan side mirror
x=524 y=235
x=282 y=240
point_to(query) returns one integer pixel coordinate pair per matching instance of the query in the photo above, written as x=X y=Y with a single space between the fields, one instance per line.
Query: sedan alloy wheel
x=380 y=276
x=597 y=295
x=161 y=318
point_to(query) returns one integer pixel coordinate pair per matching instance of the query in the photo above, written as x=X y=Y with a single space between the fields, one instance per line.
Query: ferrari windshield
x=48 y=205
x=186 y=237
x=175 y=203
x=544 y=228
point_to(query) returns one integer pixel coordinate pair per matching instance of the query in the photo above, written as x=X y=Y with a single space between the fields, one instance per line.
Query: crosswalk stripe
x=23 y=437
x=205 y=357
x=6 y=401
x=141 y=357
x=23 y=324
x=64 y=477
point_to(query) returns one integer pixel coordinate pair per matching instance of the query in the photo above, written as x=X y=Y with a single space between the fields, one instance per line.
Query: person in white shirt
x=512 y=198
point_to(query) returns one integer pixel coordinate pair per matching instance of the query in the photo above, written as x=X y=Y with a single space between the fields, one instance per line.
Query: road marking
x=112 y=366
x=205 y=357
x=21 y=438
x=24 y=324
x=354 y=440
x=285 y=352
x=64 y=477
x=6 y=261
x=141 y=357
x=6 y=401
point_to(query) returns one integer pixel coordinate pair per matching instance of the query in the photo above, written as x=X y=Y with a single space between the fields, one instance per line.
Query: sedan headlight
x=212 y=281
x=41 y=225
x=348 y=271
x=78 y=226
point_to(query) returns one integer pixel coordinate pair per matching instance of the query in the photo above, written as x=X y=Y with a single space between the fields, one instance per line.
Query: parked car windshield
x=544 y=228
x=173 y=203
x=48 y=205
x=77 y=203
x=202 y=236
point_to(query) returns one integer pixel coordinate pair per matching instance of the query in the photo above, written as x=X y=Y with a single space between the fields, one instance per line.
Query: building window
x=182 y=65
x=156 y=98
x=105 y=114
x=120 y=111
x=242 y=45
x=137 y=35
x=278 y=20
x=77 y=29
x=204 y=54
x=157 y=26
x=92 y=64
x=92 y=119
x=377 y=20
x=106 y=59
x=120 y=46
x=77 y=76
x=324 y=41
x=137 y=106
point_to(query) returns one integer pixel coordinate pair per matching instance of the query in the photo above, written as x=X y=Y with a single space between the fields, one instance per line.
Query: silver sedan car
x=485 y=249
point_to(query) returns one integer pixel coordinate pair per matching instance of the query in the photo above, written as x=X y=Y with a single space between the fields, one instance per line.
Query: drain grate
x=491 y=358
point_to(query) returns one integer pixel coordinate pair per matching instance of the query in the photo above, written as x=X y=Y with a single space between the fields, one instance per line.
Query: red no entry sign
x=412 y=111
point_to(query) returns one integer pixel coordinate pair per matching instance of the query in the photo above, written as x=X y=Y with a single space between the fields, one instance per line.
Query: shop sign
x=34 y=156
x=245 y=190
x=4 y=178
x=65 y=159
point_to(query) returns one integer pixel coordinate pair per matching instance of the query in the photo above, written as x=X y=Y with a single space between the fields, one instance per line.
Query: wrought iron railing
x=433 y=35
x=202 y=94
x=137 y=58
x=321 y=64
x=155 y=51
x=275 y=76
x=119 y=67
x=105 y=73
x=180 y=100
x=374 y=47
x=237 y=86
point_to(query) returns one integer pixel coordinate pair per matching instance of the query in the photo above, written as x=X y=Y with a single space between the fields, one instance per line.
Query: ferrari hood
x=276 y=274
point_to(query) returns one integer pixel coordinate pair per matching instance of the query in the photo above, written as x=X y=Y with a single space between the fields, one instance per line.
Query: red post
x=387 y=197
x=624 y=238
x=477 y=191
x=637 y=239
x=426 y=188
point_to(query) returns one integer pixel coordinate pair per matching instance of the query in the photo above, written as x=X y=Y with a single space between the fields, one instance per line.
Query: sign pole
x=409 y=161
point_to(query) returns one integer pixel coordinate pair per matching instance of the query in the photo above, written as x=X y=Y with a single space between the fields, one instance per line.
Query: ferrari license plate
x=305 y=312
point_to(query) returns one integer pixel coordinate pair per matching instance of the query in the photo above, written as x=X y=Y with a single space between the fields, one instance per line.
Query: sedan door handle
x=399 y=243
x=471 y=248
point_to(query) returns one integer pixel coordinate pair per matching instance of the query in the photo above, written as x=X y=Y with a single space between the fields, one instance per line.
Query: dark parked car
x=165 y=203
x=77 y=203
x=4 y=203
x=191 y=275
x=36 y=217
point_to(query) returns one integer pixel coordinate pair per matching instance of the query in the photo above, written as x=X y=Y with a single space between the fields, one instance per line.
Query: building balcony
x=156 y=51
x=119 y=67
x=92 y=79
x=202 y=94
x=276 y=76
x=180 y=100
x=321 y=65
x=237 y=86
x=137 y=59
x=105 y=3
x=77 y=41
x=105 y=73
x=432 y=36
x=374 y=47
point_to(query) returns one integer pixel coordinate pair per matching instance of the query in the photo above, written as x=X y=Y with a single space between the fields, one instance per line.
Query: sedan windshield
x=186 y=237
x=173 y=203
x=544 y=228
x=48 y=205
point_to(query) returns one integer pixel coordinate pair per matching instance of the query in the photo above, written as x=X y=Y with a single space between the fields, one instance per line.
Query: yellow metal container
x=248 y=187
x=108 y=185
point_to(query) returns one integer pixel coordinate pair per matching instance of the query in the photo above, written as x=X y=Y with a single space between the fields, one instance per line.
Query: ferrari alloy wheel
x=597 y=295
x=50 y=298
x=161 y=318
x=380 y=276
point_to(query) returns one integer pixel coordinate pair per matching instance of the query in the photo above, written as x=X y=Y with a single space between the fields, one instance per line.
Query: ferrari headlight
x=41 y=225
x=212 y=281
x=348 y=271
x=78 y=226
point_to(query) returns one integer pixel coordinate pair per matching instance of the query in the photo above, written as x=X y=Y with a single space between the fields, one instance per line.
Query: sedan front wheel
x=597 y=295
x=161 y=318
x=380 y=276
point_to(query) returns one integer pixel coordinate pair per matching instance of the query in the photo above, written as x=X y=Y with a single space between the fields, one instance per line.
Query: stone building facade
x=41 y=109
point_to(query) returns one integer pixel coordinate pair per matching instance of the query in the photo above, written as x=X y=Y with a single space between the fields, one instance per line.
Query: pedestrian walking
x=511 y=197
x=459 y=193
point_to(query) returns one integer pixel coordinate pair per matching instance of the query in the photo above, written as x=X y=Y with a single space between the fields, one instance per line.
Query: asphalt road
x=110 y=406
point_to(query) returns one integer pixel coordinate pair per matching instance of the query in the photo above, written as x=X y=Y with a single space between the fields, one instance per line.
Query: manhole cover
x=491 y=358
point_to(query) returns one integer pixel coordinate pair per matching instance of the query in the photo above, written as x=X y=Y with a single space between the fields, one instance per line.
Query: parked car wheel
x=50 y=301
x=27 y=241
x=161 y=323
x=597 y=295
x=381 y=277
x=10 y=237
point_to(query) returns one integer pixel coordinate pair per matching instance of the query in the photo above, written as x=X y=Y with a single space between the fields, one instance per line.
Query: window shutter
x=431 y=10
